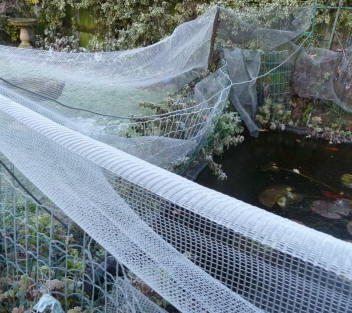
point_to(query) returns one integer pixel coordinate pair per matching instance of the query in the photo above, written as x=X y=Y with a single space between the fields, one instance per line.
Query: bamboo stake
x=335 y=23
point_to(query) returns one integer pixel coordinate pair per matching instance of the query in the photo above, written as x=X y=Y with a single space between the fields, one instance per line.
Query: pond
x=303 y=179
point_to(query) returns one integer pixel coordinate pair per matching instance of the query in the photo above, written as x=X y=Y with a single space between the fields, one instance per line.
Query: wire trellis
x=42 y=251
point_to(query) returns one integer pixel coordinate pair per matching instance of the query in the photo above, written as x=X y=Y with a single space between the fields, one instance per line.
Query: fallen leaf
x=298 y=140
x=53 y=285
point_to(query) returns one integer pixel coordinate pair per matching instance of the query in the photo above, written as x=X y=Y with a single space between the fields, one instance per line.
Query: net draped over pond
x=83 y=129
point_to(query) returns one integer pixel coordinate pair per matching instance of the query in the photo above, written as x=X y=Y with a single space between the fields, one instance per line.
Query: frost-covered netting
x=324 y=74
x=247 y=37
x=99 y=93
x=63 y=116
x=104 y=95
x=220 y=249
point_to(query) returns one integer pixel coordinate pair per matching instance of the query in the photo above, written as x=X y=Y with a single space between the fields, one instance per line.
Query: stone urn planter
x=25 y=25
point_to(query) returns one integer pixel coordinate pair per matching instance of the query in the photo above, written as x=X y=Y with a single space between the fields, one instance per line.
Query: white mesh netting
x=73 y=124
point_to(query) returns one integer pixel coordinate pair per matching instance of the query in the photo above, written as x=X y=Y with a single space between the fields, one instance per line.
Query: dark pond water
x=287 y=174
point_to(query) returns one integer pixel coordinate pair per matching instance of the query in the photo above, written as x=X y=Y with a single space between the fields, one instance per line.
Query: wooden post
x=213 y=38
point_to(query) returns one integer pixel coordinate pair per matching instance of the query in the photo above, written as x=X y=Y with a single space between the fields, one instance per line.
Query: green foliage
x=40 y=233
x=274 y=115
x=129 y=24
x=8 y=30
x=317 y=117
x=125 y=24
x=227 y=133
x=307 y=114
x=12 y=30
x=17 y=295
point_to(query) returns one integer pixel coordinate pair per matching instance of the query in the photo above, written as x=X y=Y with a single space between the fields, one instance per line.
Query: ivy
x=125 y=24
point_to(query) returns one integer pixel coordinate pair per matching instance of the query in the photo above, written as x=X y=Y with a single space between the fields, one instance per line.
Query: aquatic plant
x=347 y=180
x=279 y=195
x=332 y=210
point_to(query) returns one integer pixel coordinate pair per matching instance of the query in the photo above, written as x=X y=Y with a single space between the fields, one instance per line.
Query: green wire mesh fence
x=42 y=251
x=276 y=85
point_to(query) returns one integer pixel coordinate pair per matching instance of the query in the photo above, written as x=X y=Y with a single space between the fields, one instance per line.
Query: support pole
x=213 y=38
x=313 y=22
x=335 y=23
